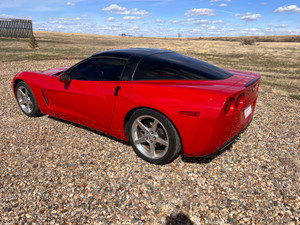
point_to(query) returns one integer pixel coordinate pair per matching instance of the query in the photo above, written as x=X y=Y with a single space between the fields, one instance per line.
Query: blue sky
x=160 y=18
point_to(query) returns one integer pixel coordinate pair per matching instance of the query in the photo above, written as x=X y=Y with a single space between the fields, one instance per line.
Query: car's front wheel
x=26 y=100
x=152 y=136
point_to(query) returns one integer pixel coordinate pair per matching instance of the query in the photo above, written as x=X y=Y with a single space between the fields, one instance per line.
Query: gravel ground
x=53 y=172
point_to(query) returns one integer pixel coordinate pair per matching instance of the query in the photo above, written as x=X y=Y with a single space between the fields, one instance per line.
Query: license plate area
x=247 y=111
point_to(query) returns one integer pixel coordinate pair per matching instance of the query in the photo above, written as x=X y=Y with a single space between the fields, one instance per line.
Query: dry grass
x=277 y=38
x=278 y=62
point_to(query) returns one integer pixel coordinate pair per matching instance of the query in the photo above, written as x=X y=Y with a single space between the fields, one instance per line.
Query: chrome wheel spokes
x=150 y=137
x=24 y=100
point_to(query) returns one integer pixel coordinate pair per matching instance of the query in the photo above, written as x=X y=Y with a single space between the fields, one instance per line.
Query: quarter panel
x=169 y=100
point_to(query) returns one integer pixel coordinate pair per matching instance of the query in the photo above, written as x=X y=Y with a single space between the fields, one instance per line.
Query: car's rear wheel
x=26 y=100
x=152 y=136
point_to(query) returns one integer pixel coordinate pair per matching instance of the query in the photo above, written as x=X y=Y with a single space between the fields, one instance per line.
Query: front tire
x=26 y=100
x=153 y=137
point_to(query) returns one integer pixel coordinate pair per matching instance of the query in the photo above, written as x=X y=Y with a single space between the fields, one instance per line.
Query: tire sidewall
x=174 y=140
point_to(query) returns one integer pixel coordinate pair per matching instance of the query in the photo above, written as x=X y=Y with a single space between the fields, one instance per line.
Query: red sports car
x=161 y=101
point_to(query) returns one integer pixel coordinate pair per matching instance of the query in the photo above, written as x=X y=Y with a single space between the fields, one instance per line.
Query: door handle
x=117 y=90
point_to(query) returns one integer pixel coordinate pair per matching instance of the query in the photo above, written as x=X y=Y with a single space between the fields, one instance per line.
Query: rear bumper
x=217 y=129
x=224 y=146
x=218 y=140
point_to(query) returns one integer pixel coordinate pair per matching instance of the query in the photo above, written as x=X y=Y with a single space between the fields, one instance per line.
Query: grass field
x=278 y=62
x=283 y=38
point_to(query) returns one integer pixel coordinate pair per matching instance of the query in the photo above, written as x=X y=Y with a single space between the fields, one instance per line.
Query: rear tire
x=26 y=100
x=153 y=137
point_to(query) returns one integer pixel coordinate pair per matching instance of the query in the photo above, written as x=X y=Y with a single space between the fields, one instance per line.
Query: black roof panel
x=126 y=53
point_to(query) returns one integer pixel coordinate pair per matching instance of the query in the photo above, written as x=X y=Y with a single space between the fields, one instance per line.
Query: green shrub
x=295 y=96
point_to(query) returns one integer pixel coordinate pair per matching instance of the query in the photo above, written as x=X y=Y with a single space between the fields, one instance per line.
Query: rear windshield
x=174 y=66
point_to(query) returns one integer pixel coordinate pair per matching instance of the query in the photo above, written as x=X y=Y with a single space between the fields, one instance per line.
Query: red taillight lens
x=239 y=101
x=229 y=106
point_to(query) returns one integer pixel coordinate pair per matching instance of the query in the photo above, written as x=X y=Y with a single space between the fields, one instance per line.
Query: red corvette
x=160 y=101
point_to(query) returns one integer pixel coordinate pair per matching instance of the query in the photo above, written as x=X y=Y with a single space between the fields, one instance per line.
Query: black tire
x=153 y=136
x=26 y=100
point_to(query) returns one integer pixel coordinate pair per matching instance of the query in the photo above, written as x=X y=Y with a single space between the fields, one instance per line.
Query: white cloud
x=142 y=13
x=70 y=4
x=176 y=22
x=131 y=18
x=237 y=15
x=67 y=23
x=112 y=27
x=200 y=12
x=201 y=21
x=135 y=28
x=250 y=17
x=264 y=3
x=159 y=21
x=251 y=29
x=223 y=5
x=190 y=19
x=282 y=26
x=290 y=8
x=197 y=22
x=217 y=22
x=111 y=19
x=58 y=20
x=4 y=16
x=115 y=9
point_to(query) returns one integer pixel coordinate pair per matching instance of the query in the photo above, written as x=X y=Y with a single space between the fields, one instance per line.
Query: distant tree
x=33 y=43
x=179 y=35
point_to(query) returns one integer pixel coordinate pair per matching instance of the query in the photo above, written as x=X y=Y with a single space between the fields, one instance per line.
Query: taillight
x=234 y=103
x=229 y=106
x=239 y=101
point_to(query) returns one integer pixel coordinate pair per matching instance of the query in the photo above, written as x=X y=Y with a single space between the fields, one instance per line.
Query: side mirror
x=65 y=77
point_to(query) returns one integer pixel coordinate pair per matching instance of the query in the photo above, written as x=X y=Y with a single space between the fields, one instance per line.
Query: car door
x=89 y=97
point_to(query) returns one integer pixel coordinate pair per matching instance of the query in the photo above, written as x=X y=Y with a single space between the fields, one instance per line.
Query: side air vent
x=45 y=98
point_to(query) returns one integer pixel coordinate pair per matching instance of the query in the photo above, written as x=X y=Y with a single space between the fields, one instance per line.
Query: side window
x=99 y=69
x=174 y=66
x=152 y=69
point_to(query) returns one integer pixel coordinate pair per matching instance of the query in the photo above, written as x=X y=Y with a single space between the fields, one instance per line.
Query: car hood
x=55 y=70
